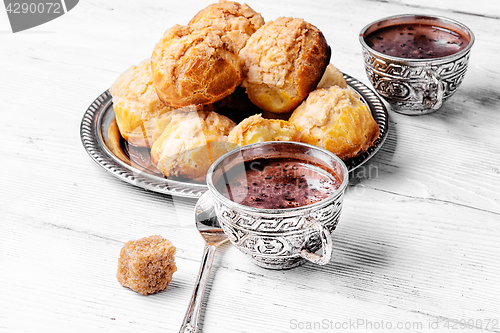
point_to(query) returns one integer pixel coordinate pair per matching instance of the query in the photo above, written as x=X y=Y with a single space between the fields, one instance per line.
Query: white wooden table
x=417 y=248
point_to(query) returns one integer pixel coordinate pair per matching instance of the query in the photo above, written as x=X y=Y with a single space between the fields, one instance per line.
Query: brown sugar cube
x=146 y=265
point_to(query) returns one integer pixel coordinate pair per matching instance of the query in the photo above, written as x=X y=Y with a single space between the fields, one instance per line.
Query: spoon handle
x=190 y=323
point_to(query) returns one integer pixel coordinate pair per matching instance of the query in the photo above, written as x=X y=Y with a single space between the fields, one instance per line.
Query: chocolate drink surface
x=277 y=183
x=416 y=41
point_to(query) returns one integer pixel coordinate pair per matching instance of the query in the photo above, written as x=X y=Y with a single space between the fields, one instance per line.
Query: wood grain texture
x=416 y=248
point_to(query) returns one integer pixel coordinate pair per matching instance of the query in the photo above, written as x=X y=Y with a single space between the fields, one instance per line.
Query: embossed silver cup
x=279 y=238
x=416 y=86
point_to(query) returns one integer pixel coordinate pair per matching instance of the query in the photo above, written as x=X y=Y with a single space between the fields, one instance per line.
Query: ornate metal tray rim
x=92 y=139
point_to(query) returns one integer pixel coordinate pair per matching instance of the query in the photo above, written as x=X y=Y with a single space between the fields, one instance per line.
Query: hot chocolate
x=416 y=41
x=276 y=183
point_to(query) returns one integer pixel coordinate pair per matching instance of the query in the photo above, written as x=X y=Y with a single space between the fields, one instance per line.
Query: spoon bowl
x=207 y=222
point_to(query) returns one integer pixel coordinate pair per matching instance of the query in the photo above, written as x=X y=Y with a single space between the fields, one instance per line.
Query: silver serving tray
x=100 y=115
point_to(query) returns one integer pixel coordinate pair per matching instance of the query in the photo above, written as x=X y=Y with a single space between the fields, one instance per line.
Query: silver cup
x=279 y=238
x=415 y=86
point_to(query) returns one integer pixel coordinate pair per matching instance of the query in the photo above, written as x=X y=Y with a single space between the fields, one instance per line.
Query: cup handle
x=433 y=96
x=326 y=244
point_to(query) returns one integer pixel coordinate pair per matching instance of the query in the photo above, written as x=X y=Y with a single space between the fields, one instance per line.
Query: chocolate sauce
x=416 y=41
x=277 y=183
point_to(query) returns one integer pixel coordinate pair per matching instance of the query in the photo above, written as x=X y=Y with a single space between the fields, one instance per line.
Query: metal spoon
x=210 y=230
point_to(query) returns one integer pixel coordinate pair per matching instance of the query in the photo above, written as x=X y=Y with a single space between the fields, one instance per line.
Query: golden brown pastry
x=257 y=129
x=236 y=20
x=154 y=127
x=195 y=65
x=135 y=102
x=337 y=120
x=147 y=265
x=190 y=143
x=283 y=61
x=332 y=77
